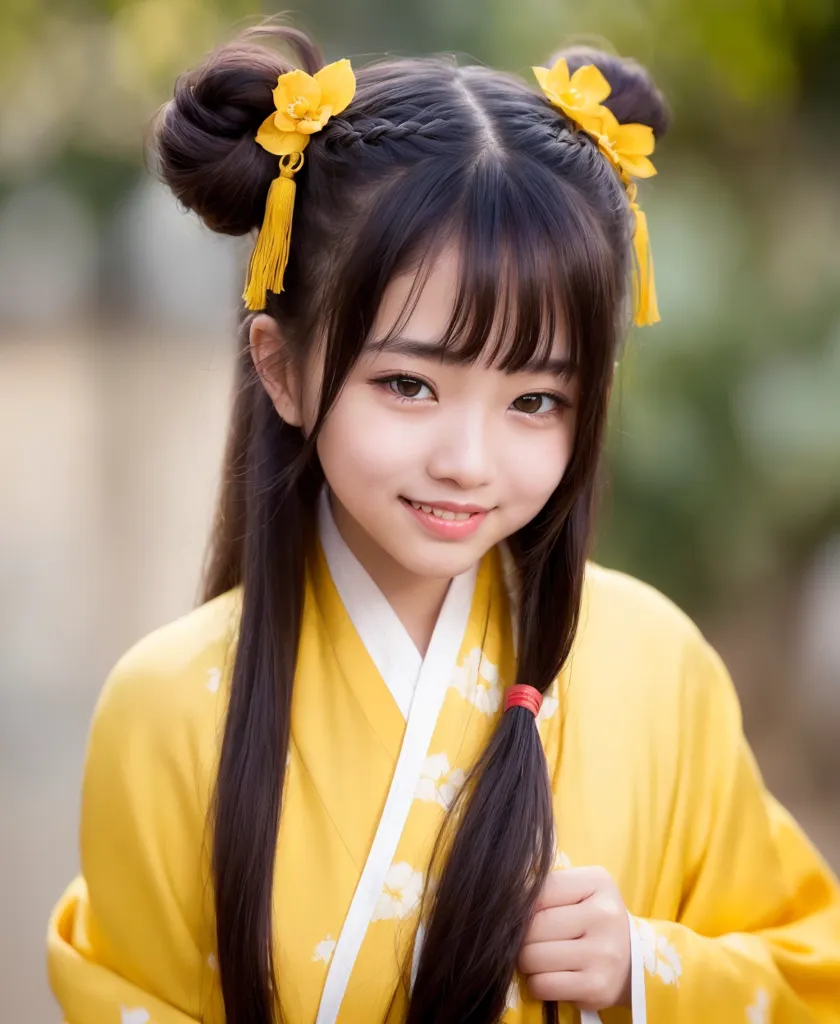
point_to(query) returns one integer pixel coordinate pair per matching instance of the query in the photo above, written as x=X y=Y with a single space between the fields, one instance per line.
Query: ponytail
x=504 y=841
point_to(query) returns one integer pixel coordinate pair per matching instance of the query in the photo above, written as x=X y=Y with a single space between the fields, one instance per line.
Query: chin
x=441 y=562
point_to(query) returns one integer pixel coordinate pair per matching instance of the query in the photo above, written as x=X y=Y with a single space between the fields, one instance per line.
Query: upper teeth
x=441 y=513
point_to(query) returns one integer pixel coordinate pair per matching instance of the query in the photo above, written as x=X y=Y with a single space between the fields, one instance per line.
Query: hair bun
x=634 y=97
x=204 y=137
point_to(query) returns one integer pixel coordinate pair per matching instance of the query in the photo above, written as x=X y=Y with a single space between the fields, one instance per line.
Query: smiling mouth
x=447 y=511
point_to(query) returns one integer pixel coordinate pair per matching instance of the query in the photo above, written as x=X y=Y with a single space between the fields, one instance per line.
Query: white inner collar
x=387 y=641
x=419 y=687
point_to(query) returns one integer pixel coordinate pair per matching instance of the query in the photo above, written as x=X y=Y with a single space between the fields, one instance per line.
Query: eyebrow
x=560 y=367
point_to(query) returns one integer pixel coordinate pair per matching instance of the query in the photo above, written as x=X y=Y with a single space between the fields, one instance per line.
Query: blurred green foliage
x=725 y=467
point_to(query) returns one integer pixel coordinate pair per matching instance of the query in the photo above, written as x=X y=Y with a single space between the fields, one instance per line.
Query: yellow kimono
x=734 y=917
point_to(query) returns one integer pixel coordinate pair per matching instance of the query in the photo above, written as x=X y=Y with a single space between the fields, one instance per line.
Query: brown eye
x=534 y=403
x=408 y=387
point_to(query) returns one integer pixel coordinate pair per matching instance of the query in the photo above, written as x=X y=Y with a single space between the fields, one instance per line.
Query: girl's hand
x=577 y=948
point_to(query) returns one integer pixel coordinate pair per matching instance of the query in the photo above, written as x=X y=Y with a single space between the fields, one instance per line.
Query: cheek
x=355 y=446
x=536 y=466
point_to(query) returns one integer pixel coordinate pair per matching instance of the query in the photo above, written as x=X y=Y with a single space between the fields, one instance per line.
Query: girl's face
x=430 y=462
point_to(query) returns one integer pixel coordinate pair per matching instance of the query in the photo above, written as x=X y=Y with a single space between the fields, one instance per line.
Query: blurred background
x=117 y=315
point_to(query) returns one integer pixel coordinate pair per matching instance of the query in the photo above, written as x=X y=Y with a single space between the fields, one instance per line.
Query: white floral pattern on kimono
x=400 y=894
x=134 y=1016
x=757 y=1013
x=439 y=782
x=550 y=703
x=324 y=950
x=476 y=678
x=659 y=956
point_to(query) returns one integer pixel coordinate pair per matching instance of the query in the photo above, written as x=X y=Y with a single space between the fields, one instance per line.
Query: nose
x=462 y=451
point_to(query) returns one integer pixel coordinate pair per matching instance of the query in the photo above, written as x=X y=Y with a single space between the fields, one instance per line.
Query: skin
x=409 y=425
x=577 y=948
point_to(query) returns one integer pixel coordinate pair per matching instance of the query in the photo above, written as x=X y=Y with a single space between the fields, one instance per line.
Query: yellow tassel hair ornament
x=644 y=288
x=627 y=146
x=304 y=103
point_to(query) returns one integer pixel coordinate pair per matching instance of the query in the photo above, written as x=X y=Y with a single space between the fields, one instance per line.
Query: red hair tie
x=524 y=696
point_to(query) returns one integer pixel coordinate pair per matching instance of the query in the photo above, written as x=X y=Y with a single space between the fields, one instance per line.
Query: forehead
x=442 y=304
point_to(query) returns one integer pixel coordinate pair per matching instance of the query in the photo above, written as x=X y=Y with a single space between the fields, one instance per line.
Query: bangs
x=532 y=270
x=534 y=267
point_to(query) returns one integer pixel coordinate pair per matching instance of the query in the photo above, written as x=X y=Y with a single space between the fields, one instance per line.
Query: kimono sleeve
x=757 y=937
x=123 y=942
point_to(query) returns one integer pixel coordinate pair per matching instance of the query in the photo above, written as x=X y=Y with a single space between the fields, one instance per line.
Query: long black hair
x=427 y=153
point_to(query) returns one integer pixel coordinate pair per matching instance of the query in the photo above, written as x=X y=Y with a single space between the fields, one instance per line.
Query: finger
x=580 y=988
x=557 y=986
x=558 y=923
x=571 y=885
x=551 y=957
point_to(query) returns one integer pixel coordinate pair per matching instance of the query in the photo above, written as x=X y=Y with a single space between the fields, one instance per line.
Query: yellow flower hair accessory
x=304 y=103
x=627 y=147
x=579 y=96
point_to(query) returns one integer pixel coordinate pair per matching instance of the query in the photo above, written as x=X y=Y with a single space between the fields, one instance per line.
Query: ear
x=276 y=368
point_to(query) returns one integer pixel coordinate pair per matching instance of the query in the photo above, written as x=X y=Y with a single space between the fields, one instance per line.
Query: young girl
x=415 y=758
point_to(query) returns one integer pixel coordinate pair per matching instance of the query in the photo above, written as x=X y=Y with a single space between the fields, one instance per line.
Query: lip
x=450 y=506
x=448 y=529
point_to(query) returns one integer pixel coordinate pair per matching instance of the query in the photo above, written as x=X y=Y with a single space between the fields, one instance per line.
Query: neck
x=416 y=600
